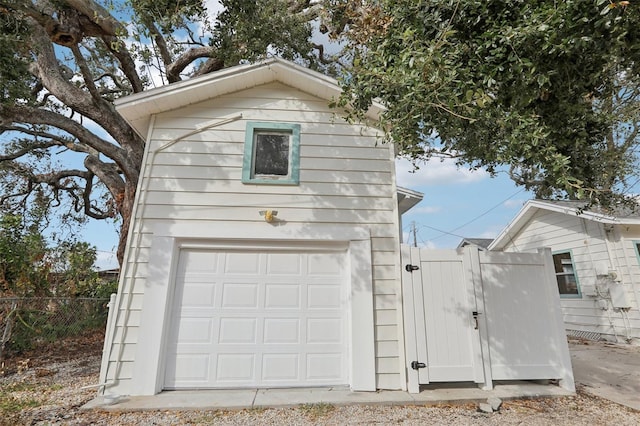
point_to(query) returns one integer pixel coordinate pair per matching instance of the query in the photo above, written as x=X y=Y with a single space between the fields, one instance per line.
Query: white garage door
x=260 y=318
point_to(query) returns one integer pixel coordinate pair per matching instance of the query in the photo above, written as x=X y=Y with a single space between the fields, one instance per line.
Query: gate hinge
x=416 y=365
x=410 y=268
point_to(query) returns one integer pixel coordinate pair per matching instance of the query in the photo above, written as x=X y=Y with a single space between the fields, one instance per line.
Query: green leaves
x=248 y=30
x=533 y=85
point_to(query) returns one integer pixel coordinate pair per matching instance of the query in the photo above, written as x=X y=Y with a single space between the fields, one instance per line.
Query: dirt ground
x=44 y=387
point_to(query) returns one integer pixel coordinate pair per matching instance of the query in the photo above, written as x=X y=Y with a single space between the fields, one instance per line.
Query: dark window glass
x=565 y=275
x=272 y=154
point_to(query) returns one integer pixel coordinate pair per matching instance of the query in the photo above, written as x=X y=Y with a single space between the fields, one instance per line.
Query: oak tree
x=549 y=91
x=63 y=62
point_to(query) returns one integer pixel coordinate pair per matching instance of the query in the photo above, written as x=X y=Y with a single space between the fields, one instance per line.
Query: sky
x=457 y=203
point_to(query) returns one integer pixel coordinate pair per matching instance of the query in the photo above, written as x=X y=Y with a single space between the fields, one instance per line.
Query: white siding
x=595 y=249
x=346 y=178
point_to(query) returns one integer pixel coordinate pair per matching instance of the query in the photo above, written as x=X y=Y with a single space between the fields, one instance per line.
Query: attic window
x=271 y=153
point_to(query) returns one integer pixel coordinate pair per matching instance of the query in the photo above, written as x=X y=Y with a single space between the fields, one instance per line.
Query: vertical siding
x=346 y=178
x=594 y=252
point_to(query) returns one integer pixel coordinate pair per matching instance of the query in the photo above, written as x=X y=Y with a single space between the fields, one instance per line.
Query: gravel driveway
x=46 y=389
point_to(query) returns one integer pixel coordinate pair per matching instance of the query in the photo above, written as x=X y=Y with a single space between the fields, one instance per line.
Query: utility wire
x=475 y=218
x=441 y=231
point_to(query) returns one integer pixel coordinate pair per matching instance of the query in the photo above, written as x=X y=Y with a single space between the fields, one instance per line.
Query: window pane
x=561 y=262
x=565 y=275
x=272 y=154
x=567 y=284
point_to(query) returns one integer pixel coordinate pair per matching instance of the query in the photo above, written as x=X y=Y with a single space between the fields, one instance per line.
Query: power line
x=477 y=217
x=628 y=188
x=441 y=231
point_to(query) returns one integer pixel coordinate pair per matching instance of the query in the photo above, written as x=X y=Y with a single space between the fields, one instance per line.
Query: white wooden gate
x=473 y=316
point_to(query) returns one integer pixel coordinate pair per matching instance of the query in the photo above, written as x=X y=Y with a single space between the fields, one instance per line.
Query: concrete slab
x=258 y=398
x=607 y=370
x=604 y=369
x=178 y=400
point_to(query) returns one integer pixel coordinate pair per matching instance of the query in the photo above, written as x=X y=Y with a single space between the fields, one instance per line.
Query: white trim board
x=149 y=361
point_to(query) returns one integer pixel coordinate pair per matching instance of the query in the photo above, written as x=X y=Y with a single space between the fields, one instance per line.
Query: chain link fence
x=27 y=322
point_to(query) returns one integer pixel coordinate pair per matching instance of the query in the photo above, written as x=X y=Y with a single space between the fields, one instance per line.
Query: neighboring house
x=264 y=244
x=597 y=263
x=481 y=243
x=109 y=274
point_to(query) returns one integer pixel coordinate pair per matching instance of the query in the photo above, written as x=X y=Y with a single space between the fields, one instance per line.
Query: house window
x=566 y=274
x=637 y=244
x=271 y=153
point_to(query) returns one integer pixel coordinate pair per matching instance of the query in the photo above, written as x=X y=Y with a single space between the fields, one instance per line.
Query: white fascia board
x=589 y=215
x=532 y=206
x=407 y=199
x=138 y=108
x=523 y=216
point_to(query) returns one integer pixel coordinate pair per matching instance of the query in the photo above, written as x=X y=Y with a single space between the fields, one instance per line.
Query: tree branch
x=163 y=49
x=40 y=116
x=24 y=151
x=127 y=65
x=187 y=58
x=86 y=73
x=47 y=69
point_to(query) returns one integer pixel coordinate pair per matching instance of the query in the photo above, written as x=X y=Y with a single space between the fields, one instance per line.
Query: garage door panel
x=283 y=264
x=198 y=262
x=324 y=330
x=242 y=263
x=240 y=295
x=323 y=365
x=198 y=294
x=324 y=296
x=282 y=331
x=194 y=368
x=280 y=367
x=259 y=319
x=195 y=330
x=235 y=367
x=282 y=296
x=238 y=330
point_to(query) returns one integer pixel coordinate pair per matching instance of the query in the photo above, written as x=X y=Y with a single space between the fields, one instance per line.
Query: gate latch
x=416 y=365
x=410 y=268
x=475 y=319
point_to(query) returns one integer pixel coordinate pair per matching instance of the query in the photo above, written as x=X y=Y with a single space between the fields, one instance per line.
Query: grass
x=12 y=403
x=315 y=411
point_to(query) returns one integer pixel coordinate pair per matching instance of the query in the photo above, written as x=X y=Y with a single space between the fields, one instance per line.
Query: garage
x=258 y=318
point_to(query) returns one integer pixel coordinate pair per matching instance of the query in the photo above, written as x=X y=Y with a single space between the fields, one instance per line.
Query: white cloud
x=514 y=204
x=490 y=232
x=105 y=260
x=214 y=7
x=435 y=172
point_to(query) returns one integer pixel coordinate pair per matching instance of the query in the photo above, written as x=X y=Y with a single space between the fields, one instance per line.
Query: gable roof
x=621 y=216
x=407 y=198
x=138 y=108
x=483 y=243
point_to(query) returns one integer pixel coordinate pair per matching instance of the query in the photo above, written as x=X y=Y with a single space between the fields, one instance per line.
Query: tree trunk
x=125 y=209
